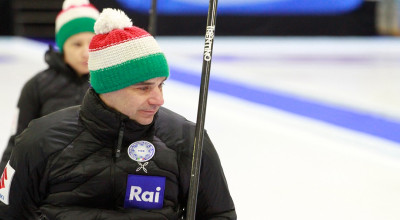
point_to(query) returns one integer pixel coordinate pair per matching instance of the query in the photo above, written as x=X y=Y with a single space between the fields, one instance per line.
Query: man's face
x=140 y=102
x=76 y=52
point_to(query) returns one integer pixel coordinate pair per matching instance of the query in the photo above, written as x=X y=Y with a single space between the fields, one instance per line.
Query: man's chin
x=145 y=121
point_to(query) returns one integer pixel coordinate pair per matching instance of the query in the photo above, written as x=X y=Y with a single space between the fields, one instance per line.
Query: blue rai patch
x=144 y=192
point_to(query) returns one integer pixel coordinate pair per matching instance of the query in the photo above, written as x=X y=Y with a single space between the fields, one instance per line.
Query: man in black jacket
x=119 y=155
x=65 y=82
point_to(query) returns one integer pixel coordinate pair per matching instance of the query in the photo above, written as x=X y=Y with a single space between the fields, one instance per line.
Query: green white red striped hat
x=75 y=17
x=121 y=55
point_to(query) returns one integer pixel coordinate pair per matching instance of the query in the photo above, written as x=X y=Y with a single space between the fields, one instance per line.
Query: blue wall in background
x=245 y=7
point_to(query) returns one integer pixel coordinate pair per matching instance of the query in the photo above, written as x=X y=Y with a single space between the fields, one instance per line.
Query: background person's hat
x=121 y=55
x=75 y=17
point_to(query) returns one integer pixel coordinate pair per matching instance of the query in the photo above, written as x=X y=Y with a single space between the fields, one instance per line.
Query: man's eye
x=143 y=88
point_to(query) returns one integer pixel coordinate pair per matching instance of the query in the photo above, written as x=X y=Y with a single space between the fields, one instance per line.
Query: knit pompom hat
x=75 y=17
x=121 y=55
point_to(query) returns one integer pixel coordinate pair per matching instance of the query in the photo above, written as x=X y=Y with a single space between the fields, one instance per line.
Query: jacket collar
x=56 y=61
x=106 y=123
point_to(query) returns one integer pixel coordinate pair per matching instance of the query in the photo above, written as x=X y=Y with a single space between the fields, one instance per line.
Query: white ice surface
x=278 y=165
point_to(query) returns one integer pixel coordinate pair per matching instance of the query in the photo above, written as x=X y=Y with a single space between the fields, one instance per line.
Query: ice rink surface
x=306 y=128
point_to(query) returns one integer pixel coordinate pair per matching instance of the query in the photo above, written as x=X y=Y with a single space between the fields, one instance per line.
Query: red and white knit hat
x=121 y=54
x=75 y=17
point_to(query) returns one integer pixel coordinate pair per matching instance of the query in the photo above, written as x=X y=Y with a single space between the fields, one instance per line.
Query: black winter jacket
x=53 y=89
x=74 y=164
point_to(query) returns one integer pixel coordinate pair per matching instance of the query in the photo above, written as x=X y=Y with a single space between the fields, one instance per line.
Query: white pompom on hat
x=111 y=19
x=69 y=3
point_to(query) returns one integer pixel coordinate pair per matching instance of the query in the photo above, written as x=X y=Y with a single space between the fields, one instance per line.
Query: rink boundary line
x=355 y=120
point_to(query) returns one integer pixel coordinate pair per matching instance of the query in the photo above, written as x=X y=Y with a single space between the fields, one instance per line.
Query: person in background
x=65 y=81
x=119 y=155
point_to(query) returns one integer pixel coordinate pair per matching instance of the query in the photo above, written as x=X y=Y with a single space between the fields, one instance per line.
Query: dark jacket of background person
x=92 y=184
x=53 y=89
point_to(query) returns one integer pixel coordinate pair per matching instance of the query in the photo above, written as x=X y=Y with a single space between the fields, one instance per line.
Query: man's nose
x=85 y=52
x=157 y=97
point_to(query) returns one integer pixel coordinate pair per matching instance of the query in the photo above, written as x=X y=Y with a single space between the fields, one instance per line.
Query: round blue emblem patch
x=141 y=151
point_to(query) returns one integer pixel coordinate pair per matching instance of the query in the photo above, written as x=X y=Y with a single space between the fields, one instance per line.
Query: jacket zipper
x=120 y=137
x=117 y=155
